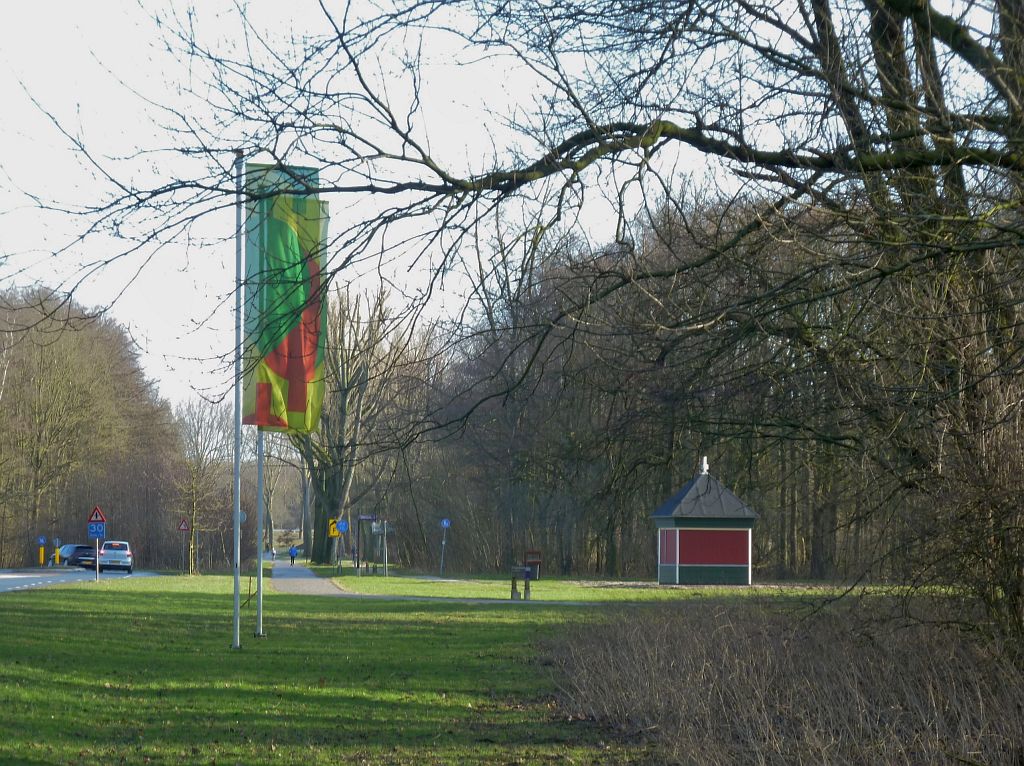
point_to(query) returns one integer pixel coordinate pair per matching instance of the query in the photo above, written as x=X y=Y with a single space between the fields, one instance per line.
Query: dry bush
x=749 y=685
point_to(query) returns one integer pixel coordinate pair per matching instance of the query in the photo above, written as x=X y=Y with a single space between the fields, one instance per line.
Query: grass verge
x=140 y=671
x=564 y=590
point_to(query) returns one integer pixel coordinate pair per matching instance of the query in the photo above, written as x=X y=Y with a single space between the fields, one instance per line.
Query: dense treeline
x=827 y=300
x=84 y=427
x=566 y=439
x=875 y=427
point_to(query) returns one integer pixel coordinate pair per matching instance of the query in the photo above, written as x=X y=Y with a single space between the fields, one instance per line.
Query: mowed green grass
x=558 y=589
x=141 y=671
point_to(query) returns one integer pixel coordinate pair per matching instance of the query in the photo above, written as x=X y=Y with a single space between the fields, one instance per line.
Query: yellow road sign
x=332 y=528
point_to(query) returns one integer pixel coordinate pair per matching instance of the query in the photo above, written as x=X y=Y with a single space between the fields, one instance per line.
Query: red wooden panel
x=713 y=546
x=668 y=546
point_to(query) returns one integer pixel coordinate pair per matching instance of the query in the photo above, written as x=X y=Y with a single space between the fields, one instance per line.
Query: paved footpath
x=300 y=580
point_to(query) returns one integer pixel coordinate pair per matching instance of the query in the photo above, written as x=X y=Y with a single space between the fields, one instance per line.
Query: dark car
x=87 y=558
x=71 y=554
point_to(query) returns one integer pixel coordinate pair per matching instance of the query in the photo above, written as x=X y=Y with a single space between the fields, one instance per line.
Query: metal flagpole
x=237 y=511
x=259 y=533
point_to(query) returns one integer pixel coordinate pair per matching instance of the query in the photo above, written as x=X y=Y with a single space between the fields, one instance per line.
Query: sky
x=58 y=59
x=63 y=62
x=91 y=69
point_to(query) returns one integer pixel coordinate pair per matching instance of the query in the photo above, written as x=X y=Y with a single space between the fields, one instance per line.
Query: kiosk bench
x=524 y=574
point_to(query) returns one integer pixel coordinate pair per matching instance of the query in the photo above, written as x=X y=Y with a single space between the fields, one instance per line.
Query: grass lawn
x=140 y=671
x=557 y=589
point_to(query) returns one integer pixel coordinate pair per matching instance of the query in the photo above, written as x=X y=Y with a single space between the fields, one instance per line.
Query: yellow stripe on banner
x=304 y=421
x=284 y=211
x=311 y=226
x=296 y=420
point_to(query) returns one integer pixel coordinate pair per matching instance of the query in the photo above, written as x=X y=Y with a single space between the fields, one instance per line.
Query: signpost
x=97 y=530
x=333 y=532
x=342 y=527
x=42 y=550
x=445 y=523
x=359 y=550
x=184 y=528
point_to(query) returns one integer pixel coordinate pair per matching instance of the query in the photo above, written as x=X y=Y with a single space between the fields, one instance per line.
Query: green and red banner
x=285 y=306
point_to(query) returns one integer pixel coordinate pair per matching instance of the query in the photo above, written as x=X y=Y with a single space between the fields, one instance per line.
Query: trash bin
x=532 y=560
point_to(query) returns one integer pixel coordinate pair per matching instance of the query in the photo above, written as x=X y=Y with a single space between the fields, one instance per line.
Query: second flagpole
x=237 y=486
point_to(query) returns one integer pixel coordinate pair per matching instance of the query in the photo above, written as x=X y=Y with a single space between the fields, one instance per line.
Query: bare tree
x=359 y=361
x=206 y=438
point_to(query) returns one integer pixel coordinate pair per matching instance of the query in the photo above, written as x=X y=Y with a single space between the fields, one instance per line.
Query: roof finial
x=704 y=465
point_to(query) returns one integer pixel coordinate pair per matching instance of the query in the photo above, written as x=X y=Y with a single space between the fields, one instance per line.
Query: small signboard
x=332 y=528
x=183 y=526
x=42 y=540
x=97 y=516
x=342 y=526
x=445 y=523
x=97 y=530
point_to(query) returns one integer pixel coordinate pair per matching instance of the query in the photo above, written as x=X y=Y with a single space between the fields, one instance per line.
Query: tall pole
x=259 y=533
x=237 y=510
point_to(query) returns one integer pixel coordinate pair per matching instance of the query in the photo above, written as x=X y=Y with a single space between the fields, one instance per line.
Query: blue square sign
x=97 y=530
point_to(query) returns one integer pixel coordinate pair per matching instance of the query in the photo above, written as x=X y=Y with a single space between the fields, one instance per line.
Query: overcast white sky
x=63 y=55
x=80 y=62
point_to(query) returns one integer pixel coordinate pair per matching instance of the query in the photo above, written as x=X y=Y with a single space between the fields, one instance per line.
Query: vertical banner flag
x=285 y=308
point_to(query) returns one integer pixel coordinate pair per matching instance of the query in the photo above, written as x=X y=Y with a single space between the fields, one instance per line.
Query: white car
x=116 y=554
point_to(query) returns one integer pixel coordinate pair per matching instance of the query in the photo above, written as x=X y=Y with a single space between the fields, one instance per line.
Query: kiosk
x=704 y=535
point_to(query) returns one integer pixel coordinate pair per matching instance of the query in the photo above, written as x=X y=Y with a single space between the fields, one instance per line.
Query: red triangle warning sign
x=183 y=526
x=96 y=516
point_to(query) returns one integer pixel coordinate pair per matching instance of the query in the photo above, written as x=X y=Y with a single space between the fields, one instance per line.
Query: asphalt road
x=25 y=579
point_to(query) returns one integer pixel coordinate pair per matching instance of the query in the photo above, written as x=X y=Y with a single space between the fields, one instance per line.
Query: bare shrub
x=726 y=685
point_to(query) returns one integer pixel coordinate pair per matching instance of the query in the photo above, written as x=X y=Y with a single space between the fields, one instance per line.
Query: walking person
x=292 y=553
